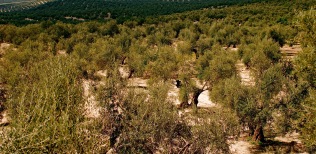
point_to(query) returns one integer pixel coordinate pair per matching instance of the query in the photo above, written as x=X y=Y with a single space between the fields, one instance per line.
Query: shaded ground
x=289 y=143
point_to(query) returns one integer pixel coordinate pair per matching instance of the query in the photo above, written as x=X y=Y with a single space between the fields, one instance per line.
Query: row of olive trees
x=35 y=74
x=304 y=70
x=281 y=88
x=44 y=90
x=139 y=121
x=254 y=104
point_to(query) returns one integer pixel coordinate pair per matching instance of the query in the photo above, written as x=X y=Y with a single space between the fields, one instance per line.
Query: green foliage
x=306 y=23
x=110 y=28
x=216 y=66
x=149 y=124
x=241 y=99
x=253 y=105
x=221 y=67
x=46 y=111
x=164 y=63
x=271 y=82
x=304 y=70
x=138 y=58
x=260 y=56
x=204 y=43
x=226 y=92
x=187 y=87
x=45 y=100
x=58 y=31
x=184 y=47
x=147 y=121
x=277 y=37
x=305 y=67
x=211 y=132
x=309 y=129
x=104 y=53
x=188 y=35
x=246 y=53
x=10 y=73
x=177 y=27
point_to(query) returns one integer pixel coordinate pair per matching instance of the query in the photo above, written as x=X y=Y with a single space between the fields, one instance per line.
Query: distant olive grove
x=76 y=11
x=18 y=5
x=43 y=71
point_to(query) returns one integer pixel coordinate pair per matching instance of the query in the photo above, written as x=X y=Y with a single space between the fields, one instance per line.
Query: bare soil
x=240 y=147
x=244 y=74
x=4 y=47
x=289 y=52
x=92 y=110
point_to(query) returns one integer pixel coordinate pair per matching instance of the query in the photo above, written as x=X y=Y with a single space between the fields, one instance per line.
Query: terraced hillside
x=15 y=5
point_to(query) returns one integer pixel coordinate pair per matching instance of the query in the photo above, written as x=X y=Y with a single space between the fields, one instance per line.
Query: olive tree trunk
x=196 y=95
x=258 y=134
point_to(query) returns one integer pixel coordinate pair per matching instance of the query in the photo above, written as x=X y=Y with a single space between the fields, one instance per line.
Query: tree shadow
x=279 y=147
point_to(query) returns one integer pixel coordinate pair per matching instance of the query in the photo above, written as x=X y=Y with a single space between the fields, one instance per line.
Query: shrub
x=46 y=112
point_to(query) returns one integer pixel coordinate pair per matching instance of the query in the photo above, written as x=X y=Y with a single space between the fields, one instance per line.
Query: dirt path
x=288 y=53
x=240 y=147
x=92 y=110
x=244 y=74
x=4 y=47
x=173 y=95
x=289 y=137
x=137 y=82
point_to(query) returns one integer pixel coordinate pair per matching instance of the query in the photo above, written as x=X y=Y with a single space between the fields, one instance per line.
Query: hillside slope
x=17 y=5
x=72 y=10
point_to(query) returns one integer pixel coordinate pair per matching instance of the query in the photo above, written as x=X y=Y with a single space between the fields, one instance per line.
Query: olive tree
x=253 y=105
x=212 y=67
x=304 y=71
x=46 y=111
